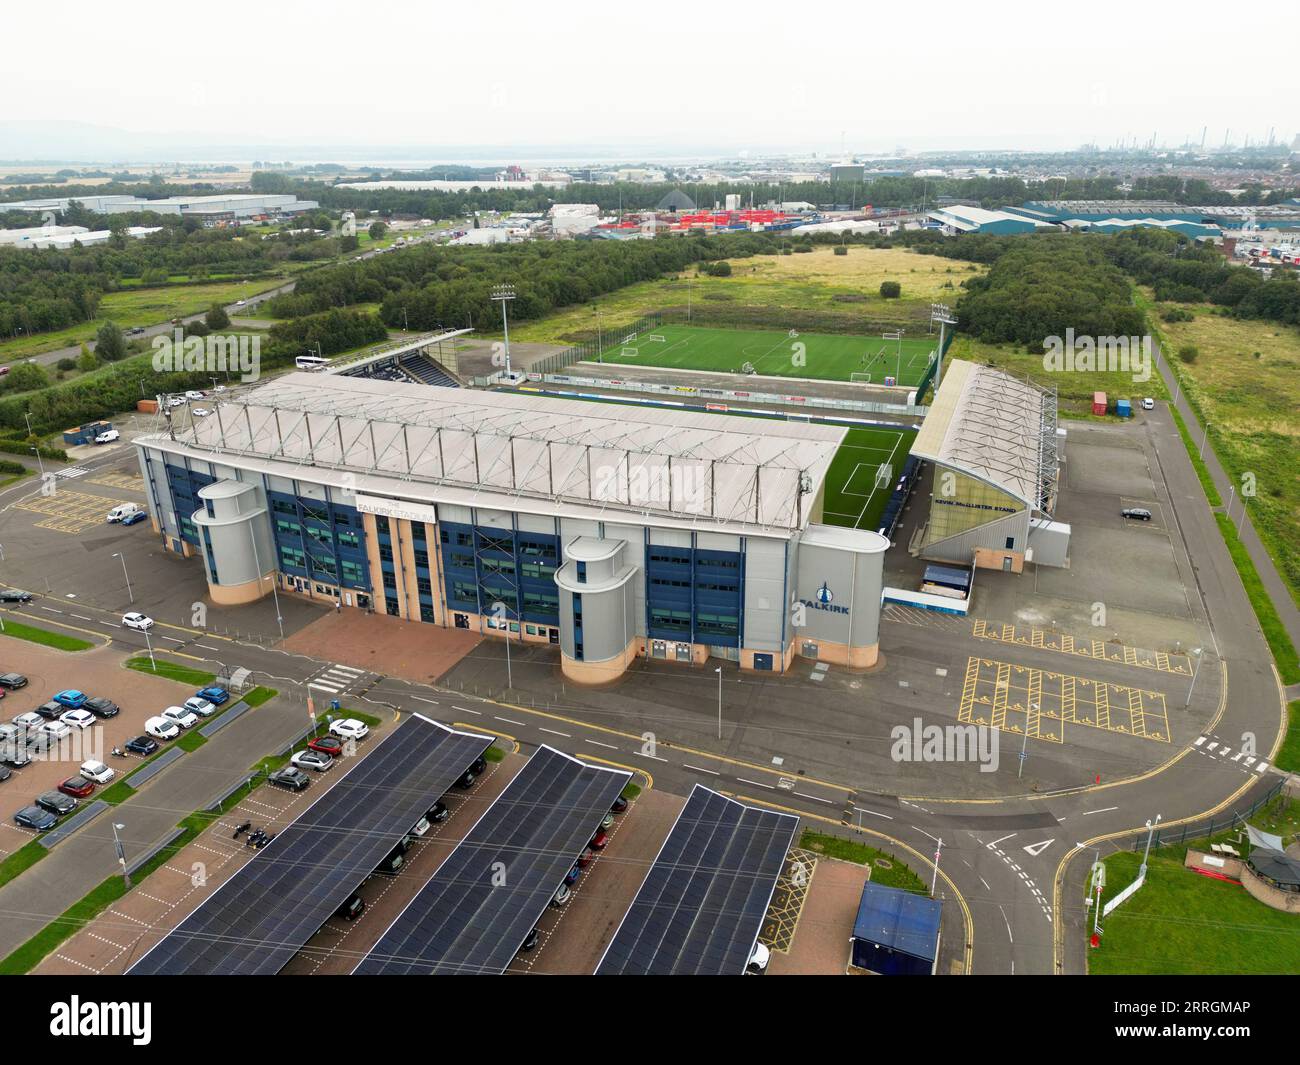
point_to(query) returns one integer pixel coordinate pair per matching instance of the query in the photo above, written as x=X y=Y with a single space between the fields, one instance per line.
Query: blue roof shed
x=896 y=933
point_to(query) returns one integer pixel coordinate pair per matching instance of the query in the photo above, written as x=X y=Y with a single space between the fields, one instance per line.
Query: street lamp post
x=119 y=555
x=36 y=448
x=121 y=854
x=1151 y=828
x=938 y=850
x=275 y=592
x=1024 y=745
x=1196 y=669
x=504 y=294
x=718 y=671
x=149 y=644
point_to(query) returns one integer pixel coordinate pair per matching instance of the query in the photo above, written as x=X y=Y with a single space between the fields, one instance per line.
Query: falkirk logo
x=825 y=600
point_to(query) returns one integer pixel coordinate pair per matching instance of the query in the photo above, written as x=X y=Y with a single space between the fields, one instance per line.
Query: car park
x=586 y=857
x=202 y=707
x=162 y=728
x=78 y=787
x=350 y=729
x=56 y=729
x=140 y=622
x=530 y=941
x=392 y=864
x=96 y=771
x=1136 y=513
x=35 y=817
x=599 y=840
x=70 y=699
x=216 y=696
x=51 y=711
x=134 y=517
x=29 y=722
x=289 y=777
x=14 y=595
x=101 y=707
x=571 y=877
x=108 y=436
x=352 y=909
x=330 y=745
x=122 y=511
x=141 y=745
x=472 y=773
x=620 y=804
x=607 y=822
x=193 y=393
x=439 y=813
x=78 y=718
x=175 y=401
x=12 y=681
x=419 y=829
x=180 y=716
x=40 y=741
x=561 y=896
x=56 y=802
x=310 y=759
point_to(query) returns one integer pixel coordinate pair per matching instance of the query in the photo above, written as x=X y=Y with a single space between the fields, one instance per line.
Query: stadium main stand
x=427 y=371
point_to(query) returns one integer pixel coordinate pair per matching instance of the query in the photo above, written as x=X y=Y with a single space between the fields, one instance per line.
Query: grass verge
x=892 y=874
x=1279 y=642
x=58 y=640
x=1288 y=755
x=1198 y=464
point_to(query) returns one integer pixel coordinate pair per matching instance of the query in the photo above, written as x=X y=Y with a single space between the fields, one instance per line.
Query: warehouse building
x=234 y=205
x=960 y=218
x=609 y=533
x=994 y=441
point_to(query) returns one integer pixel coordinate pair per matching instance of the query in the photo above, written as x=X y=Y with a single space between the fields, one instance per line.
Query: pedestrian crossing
x=336 y=679
x=72 y=471
x=1213 y=748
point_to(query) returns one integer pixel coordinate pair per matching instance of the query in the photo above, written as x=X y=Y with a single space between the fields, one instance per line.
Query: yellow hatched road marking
x=1137 y=716
x=1034 y=703
x=1102 y=698
x=999 y=717
x=968 y=689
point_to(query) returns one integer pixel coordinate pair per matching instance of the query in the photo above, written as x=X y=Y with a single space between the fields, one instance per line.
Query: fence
x=591 y=349
x=1204 y=830
x=930 y=370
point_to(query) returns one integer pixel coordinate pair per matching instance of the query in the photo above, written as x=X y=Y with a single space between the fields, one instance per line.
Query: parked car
x=199 y=412
x=101 y=707
x=14 y=755
x=10 y=733
x=586 y=857
x=1148 y=404
x=182 y=717
x=108 y=436
x=122 y=511
x=134 y=517
x=350 y=729
x=392 y=864
x=78 y=718
x=599 y=840
x=35 y=817
x=571 y=877
x=312 y=760
x=561 y=896
x=1136 y=513
x=14 y=595
x=70 y=699
x=5 y=773
x=472 y=773
x=758 y=959
x=530 y=941
x=620 y=804
x=289 y=777
x=141 y=745
x=216 y=696
x=419 y=829
x=352 y=909
x=29 y=722
x=51 y=711
x=78 y=787
x=140 y=622
x=39 y=742
x=162 y=728
x=12 y=681
x=202 y=707
x=96 y=771
x=56 y=730
x=193 y=393
x=330 y=745
x=56 y=802
x=607 y=822
x=439 y=813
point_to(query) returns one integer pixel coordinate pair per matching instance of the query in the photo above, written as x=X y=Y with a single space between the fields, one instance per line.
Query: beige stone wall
x=599 y=672
x=991 y=558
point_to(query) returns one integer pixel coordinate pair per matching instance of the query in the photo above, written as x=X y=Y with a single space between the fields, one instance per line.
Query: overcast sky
x=697 y=76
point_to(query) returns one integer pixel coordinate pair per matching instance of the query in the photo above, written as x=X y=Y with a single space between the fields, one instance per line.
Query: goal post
x=860 y=377
x=628 y=353
x=657 y=338
x=884 y=475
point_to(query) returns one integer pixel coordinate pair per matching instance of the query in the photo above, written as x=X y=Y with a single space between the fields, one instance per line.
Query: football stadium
x=890 y=359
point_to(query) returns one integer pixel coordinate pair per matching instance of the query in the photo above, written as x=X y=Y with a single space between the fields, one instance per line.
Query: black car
x=472 y=773
x=56 y=802
x=12 y=681
x=14 y=595
x=142 y=745
x=530 y=941
x=289 y=777
x=352 y=909
x=392 y=865
x=101 y=707
x=1136 y=513
x=5 y=773
x=51 y=711
x=35 y=817
x=620 y=804
x=438 y=814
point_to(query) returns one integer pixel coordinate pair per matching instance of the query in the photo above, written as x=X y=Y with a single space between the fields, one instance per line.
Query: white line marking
x=553 y=732
x=698 y=769
x=1104 y=810
x=756 y=784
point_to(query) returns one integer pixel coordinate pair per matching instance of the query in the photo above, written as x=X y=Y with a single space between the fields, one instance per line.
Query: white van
x=122 y=512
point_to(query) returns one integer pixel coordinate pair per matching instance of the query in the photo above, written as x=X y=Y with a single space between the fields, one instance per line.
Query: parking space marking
x=68 y=512
x=1002 y=695
x=1102 y=650
x=130 y=482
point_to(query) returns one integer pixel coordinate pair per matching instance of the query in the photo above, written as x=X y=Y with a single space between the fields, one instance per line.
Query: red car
x=331 y=745
x=586 y=859
x=77 y=787
x=599 y=840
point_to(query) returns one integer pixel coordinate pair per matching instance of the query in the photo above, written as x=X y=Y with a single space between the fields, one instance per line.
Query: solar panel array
x=482 y=902
x=701 y=906
x=263 y=915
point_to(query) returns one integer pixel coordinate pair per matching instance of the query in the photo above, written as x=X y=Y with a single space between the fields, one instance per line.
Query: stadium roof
x=996 y=428
x=701 y=906
x=468 y=920
x=264 y=914
x=898 y=920
x=521 y=451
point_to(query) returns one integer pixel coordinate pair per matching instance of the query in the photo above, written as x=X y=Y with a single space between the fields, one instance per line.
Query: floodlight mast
x=503 y=294
x=940 y=312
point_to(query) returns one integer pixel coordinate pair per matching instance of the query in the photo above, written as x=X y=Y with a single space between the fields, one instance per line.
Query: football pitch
x=855 y=494
x=821 y=356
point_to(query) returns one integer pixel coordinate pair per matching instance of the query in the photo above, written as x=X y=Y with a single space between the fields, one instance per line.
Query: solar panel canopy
x=264 y=914
x=482 y=902
x=701 y=906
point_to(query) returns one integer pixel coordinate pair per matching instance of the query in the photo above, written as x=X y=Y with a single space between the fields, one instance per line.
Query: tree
x=110 y=344
x=87 y=361
x=890 y=290
x=217 y=318
x=349 y=243
x=1189 y=352
x=25 y=377
x=377 y=230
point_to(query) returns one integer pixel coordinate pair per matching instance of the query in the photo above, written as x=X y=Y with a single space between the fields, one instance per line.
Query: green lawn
x=1279 y=641
x=1288 y=755
x=853 y=498
x=895 y=874
x=59 y=641
x=774 y=353
x=1183 y=923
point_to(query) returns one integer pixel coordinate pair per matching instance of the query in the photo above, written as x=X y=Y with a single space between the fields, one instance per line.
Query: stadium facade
x=610 y=532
